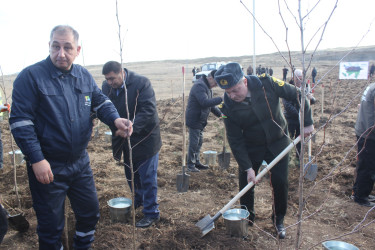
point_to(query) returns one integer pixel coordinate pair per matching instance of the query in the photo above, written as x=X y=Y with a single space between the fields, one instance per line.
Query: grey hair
x=62 y=29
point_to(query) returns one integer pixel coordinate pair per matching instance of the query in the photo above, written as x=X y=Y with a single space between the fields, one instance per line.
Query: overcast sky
x=176 y=29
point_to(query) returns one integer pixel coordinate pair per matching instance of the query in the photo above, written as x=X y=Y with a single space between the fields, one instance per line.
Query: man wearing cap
x=257 y=131
x=199 y=106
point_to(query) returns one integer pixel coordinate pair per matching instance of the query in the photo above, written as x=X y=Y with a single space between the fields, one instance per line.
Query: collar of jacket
x=253 y=84
x=56 y=73
x=127 y=82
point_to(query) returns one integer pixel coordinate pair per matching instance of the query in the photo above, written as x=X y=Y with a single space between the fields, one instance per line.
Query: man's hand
x=43 y=172
x=125 y=127
x=251 y=175
x=308 y=130
x=5 y=108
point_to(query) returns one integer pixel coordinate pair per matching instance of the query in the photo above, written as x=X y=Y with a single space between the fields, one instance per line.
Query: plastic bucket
x=338 y=245
x=236 y=223
x=119 y=209
x=210 y=157
x=108 y=136
x=17 y=155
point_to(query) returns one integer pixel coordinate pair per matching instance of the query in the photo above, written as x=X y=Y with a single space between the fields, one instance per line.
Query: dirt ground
x=328 y=211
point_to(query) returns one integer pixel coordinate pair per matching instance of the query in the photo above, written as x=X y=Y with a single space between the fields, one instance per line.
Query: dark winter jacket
x=200 y=105
x=51 y=111
x=366 y=114
x=314 y=72
x=145 y=140
x=251 y=127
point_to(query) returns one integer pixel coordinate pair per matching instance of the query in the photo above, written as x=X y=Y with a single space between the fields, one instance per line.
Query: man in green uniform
x=257 y=131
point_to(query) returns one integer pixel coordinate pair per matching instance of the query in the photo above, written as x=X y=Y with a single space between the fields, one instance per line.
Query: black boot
x=281 y=233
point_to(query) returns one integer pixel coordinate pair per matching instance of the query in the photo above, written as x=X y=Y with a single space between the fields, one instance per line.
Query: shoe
x=147 y=222
x=281 y=231
x=192 y=169
x=365 y=203
x=201 y=166
x=370 y=198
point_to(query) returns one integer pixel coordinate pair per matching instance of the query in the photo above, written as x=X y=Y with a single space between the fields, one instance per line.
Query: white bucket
x=108 y=136
x=119 y=209
x=236 y=222
x=338 y=245
x=210 y=157
x=18 y=156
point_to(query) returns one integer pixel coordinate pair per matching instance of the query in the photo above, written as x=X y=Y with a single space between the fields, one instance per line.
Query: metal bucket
x=119 y=209
x=338 y=245
x=236 y=222
x=17 y=155
x=210 y=157
x=108 y=136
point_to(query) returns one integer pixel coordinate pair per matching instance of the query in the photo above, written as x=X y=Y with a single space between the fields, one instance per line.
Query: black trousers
x=364 y=182
x=279 y=183
x=3 y=223
x=294 y=132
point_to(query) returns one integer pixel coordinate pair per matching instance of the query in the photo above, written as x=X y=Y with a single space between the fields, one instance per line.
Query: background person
x=314 y=72
x=3 y=222
x=145 y=140
x=253 y=135
x=51 y=123
x=199 y=106
x=249 y=70
x=364 y=130
x=291 y=110
x=3 y=108
x=285 y=73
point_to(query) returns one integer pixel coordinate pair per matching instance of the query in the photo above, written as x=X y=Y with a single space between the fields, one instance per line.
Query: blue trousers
x=145 y=185
x=364 y=183
x=72 y=179
x=195 y=144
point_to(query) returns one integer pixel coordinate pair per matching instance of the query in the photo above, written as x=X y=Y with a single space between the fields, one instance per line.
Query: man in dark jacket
x=292 y=107
x=199 y=106
x=364 y=130
x=257 y=131
x=145 y=140
x=314 y=72
x=51 y=122
x=285 y=72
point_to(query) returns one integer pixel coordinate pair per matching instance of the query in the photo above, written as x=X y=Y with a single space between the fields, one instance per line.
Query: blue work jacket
x=51 y=114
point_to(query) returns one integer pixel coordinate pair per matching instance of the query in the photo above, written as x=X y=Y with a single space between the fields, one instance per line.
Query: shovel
x=224 y=157
x=18 y=222
x=207 y=223
x=183 y=178
x=310 y=170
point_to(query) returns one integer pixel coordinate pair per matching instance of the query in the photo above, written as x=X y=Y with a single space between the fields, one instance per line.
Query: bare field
x=328 y=211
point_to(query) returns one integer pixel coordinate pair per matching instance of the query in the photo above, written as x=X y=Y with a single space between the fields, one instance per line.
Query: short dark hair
x=111 y=66
x=212 y=73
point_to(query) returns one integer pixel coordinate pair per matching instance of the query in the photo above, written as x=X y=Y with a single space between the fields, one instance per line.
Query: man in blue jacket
x=51 y=122
x=199 y=106
x=145 y=140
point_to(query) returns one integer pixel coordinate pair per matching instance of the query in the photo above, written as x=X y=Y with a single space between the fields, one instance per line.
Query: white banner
x=353 y=70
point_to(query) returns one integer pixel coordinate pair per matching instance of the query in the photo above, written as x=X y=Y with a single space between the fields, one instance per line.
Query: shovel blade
x=206 y=225
x=311 y=171
x=182 y=182
x=223 y=160
x=19 y=223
